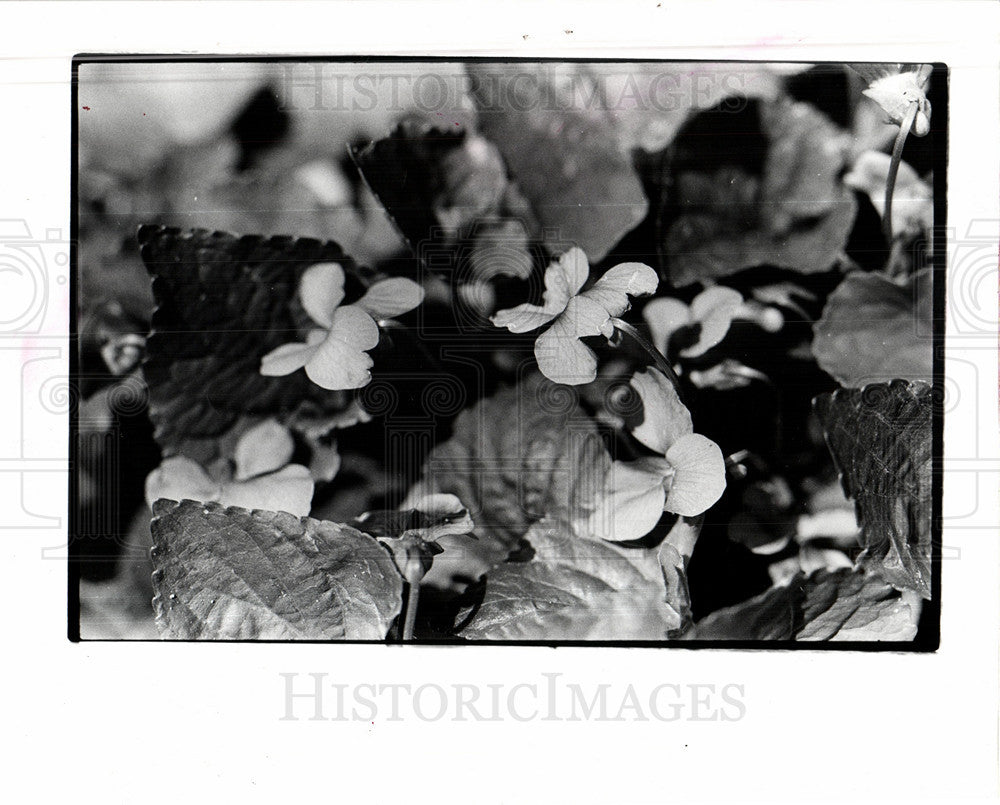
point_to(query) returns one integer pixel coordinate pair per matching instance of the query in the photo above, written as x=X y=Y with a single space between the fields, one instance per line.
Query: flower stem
x=412 y=597
x=897 y=156
x=659 y=361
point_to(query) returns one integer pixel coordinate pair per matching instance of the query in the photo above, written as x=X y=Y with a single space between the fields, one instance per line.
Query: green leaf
x=797 y=214
x=874 y=330
x=233 y=574
x=881 y=440
x=223 y=302
x=575 y=588
x=564 y=154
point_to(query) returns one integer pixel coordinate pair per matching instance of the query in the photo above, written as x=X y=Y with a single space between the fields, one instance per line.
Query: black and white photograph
x=500 y=401
x=508 y=351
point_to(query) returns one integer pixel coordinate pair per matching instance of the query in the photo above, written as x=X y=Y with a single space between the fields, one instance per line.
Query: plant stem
x=659 y=361
x=897 y=156
x=412 y=597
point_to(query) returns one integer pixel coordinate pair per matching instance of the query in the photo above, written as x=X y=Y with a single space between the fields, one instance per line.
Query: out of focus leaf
x=223 y=302
x=574 y=588
x=115 y=610
x=881 y=441
x=448 y=193
x=232 y=574
x=874 y=330
x=653 y=101
x=796 y=214
x=912 y=197
x=564 y=153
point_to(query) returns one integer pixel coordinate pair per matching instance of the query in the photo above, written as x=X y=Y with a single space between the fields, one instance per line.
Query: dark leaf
x=232 y=574
x=563 y=153
x=448 y=193
x=796 y=214
x=880 y=437
x=406 y=173
x=223 y=302
x=874 y=330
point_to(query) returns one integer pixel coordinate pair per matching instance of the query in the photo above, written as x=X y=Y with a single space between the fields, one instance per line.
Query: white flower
x=561 y=356
x=334 y=357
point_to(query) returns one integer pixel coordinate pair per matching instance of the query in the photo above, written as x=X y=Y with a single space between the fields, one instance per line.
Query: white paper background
x=158 y=723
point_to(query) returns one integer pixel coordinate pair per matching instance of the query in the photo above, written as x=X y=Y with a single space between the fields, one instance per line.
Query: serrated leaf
x=874 y=330
x=223 y=302
x=564 y=154
x=574 y=588
x=232 y=574
x=881 y=440
x=797 y=214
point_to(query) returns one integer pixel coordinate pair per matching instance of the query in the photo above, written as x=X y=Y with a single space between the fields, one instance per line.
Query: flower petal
x=632 y=502
x=286 y=359
x=288 y=490
x=340 y=361
x=391 y=297
x=262 y=449
x=561 y=356
x=321 y=290
x=563 y=279
x=566 y=277
x=178 y=478
x=699 y=475
x=612 y=290
x=665 y=316
x=714 y=309
x=665 y=418
x=523 y=318
x=895 y=94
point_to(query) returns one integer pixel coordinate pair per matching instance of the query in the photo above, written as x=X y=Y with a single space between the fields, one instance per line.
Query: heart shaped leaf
x=874 y=330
